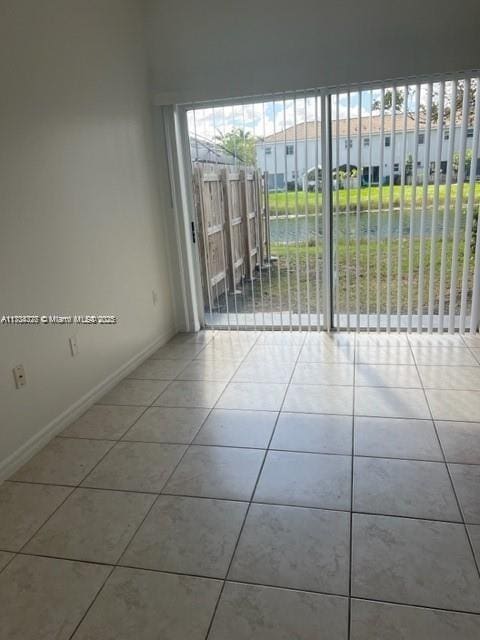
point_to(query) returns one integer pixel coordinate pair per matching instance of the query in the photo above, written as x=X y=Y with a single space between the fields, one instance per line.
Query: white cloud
x=264 y=118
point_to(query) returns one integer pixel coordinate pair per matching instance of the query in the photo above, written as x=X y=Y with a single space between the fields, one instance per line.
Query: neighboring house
x=203 y=150
x=287 y=155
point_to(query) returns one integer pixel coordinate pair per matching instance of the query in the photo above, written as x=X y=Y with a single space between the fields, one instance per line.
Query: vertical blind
x=370 y=199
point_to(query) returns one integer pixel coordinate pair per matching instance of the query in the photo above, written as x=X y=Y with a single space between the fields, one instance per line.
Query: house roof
x=203 y=150
x=288 y=135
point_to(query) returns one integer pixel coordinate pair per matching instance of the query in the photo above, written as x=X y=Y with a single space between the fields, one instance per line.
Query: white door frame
x=180 y=169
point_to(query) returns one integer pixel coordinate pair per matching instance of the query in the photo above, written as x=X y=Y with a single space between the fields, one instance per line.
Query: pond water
x=290 y=229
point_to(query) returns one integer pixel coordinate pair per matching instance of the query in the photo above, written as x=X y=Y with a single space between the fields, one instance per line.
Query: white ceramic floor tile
x=466 y=481
x=384 y=355
x=294 y=547
x=24 y=507
x=396 y=438
x=460 y=441
x=313 y=432
x=187 y=535
x=202 y=394
x=474 y=533
x=154 y=369
x=5 y=558
x=417 y=562
x=212 y=370
x=305 y=480
x=266 y=371
x=386 y=375
x=435 y=340
x=63 y=461
x=311 y=398
x=135 y=392
x=446 y=356
x=178 y=351
x=333 y=339
x=104 y=422
x=175 y=425
x=472 y=341
x=252 y=612
x=407 y=488
x=148 y=604
x=332 y=353
x=454 y=405
x=323 y=373
x=234 y=428
x=476 y=354
x=381 y=340
x=92 y=525
x=257 y=396
x=391 y=402
x=274 y=353
x=217 y=472
x=383 y=621
x=46 y=598
x=281 y=338
x=136 y=466
x=440 y=377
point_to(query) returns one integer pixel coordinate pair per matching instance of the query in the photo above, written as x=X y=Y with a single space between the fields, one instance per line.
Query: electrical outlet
x=73 y=345
x=154 y=297
x=19 y=376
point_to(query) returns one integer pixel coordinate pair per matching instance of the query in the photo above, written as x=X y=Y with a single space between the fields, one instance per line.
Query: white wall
x=276 y=158
x=214 y=49
x=81 y=224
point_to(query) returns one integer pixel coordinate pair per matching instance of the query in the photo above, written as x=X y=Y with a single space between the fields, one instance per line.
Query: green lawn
x=281 y=203
x=303 y=295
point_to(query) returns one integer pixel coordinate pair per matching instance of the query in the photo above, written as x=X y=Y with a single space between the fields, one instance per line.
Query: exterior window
x=294 y=175
x=348 y=143
x=289 y=149
x=366 y=142
x=470 y=133
x=268 y=151
x=419 y=163
x=387 y=141
x=446 y=134
x=396 y=166
x=421 y=138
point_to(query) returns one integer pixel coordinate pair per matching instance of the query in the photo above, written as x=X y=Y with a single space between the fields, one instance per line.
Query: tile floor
x=258 y=486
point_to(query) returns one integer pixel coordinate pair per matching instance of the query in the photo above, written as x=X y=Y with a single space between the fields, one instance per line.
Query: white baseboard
x=15 y=460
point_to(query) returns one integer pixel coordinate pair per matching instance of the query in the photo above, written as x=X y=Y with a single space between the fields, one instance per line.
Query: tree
x=468 y=162
x=436 y=107
x=240 y=143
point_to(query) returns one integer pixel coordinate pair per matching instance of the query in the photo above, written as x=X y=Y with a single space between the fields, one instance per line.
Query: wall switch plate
x=73 y=345
x=19 y=376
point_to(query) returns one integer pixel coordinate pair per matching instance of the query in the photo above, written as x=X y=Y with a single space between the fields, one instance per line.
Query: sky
x=265 y=118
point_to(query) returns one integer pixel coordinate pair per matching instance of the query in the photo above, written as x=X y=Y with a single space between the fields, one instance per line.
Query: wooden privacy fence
x=233 y=227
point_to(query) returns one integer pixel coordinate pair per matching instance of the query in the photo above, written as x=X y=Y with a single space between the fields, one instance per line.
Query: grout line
x=73 y=489
x=253 y=501
x=358 y=415
x=168 y=479
x=252 y=448
x=459 y=506
x=82 y=618
x=249 y=504
x=14 y=555
x=136 y=530
x=254 y=584
x=350 y=559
